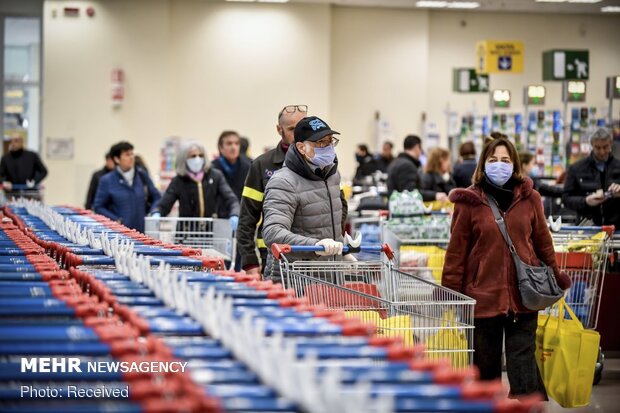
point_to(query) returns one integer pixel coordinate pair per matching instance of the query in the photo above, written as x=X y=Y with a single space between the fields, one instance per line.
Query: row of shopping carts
x=267 y=348
x=401 y=293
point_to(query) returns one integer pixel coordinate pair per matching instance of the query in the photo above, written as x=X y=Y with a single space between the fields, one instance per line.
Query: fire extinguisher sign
x=118 y=87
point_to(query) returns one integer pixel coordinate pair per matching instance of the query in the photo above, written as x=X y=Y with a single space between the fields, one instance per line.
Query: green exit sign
x=466 y=80
x=566 y=65
x=613 y=87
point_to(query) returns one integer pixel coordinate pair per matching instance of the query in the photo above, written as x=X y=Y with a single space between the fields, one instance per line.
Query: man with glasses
x=249 y=231
x=303 y=202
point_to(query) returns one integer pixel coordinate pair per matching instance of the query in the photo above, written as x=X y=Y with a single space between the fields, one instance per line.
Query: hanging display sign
x=613 y=87
x=498 y=56
x=466 y=80
x=500 y=99
x=574 y=91
x=534 y=95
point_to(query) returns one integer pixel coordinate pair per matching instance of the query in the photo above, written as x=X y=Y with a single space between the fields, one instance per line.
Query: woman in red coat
x=478 y=264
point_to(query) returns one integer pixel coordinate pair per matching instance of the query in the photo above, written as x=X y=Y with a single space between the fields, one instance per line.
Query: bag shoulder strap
x=499 y=220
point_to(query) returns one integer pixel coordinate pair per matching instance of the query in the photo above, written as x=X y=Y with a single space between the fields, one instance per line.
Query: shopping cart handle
x=24 y=187
x=278 y=249
x=609 y=229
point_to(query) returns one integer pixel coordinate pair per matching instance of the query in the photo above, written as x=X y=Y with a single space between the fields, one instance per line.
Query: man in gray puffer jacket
x=303 y=202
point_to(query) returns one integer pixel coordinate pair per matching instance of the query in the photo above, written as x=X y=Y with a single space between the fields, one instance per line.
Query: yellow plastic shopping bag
x=449 y=342
x=423 y=256
x=566 y=354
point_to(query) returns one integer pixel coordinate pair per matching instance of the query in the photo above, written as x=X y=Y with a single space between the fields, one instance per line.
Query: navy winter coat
x=117 y=200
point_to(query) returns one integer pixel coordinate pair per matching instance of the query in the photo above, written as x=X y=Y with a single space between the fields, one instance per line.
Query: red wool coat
x=478 y=262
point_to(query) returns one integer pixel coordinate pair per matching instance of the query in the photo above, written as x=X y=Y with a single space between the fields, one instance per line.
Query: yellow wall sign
x=499 y=56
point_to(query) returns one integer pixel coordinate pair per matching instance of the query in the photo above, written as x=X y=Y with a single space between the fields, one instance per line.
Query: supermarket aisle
x=605 y=396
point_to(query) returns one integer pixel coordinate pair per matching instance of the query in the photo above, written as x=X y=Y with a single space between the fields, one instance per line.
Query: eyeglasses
x=325 y=143
x=293 y=109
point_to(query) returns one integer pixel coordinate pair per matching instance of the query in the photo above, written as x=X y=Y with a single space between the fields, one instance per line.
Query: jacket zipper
x=201 y=200
x=605 y=184
x=331 y=208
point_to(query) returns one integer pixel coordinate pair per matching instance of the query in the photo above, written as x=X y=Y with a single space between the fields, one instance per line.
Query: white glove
x=331 y=247
x=155 y=215
x=349 y=257
x=30 y=183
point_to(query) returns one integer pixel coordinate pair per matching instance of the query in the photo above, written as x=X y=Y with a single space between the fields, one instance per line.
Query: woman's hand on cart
x=234 y=222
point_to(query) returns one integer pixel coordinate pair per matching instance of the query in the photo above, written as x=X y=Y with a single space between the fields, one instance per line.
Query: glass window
x=22 y=56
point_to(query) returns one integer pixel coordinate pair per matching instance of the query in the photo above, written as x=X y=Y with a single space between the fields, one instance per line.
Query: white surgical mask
x=195 y=164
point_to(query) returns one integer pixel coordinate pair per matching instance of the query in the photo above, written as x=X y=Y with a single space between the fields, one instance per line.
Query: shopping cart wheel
x=598 y=370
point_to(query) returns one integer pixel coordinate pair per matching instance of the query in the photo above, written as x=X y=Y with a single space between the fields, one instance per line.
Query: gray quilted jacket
x=301 y=207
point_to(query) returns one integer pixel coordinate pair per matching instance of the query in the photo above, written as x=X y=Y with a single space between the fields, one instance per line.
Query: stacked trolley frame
x=24 y=191
x=583 y=252
x=400 y=304
x=213 y=236
x=420 y=247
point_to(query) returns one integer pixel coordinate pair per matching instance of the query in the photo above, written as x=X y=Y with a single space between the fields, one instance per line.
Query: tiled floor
x=605 y=396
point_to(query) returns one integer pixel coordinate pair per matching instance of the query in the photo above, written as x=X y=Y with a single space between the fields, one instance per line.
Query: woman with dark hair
x=479 y=264
x=199 y=188
x=437 y=177
x=464 y=170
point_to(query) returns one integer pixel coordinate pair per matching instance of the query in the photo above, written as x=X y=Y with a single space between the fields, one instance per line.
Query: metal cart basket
x=399 y=304
x=582 y=252
x=214 y=236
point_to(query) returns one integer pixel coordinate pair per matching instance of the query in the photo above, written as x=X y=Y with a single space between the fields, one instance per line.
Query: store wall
x=379 y=63
x=79 y=55
x=236 y=65
x=453 y=36
x=194 y=68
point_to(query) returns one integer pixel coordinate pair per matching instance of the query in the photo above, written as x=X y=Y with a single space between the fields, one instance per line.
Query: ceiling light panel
x=432 y=4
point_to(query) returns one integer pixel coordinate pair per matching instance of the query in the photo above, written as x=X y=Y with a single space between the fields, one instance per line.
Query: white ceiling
x=518 y=6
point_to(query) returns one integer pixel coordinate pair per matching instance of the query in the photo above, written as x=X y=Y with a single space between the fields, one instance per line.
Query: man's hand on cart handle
x=7 y=185
x=330 y=247
x=278 y=249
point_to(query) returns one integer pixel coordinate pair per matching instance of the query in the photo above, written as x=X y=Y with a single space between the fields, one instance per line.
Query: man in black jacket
x=403 y=173
x=592 y=186
x=230 y=162
x=94 y=180
x=21 y=166
x=249 y=232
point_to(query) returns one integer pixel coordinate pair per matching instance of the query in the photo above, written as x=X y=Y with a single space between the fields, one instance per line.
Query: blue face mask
x=323 y=156
x=498 y=172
